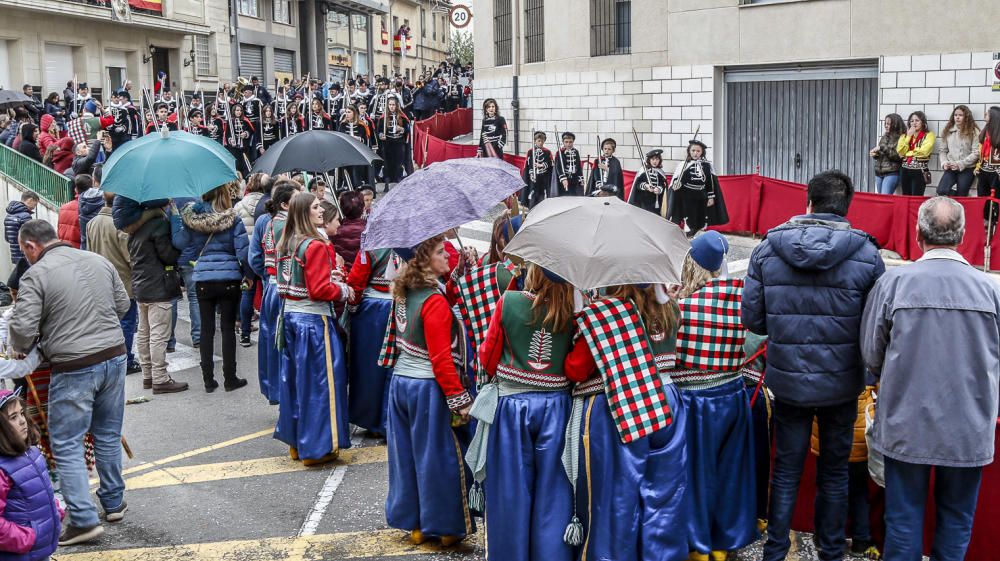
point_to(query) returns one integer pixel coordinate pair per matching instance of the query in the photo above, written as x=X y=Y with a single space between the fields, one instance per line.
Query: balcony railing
x=50 y=185
x=134 y=6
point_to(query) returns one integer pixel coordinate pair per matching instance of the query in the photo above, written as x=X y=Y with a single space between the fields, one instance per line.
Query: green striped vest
x=292 y=274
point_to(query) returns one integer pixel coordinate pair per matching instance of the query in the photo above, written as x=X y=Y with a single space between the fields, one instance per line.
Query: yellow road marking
x=349 y=545
x=190 y=453
x=202 y=473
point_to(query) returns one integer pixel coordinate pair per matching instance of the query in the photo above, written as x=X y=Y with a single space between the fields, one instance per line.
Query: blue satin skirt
x=529 y=499
x=268 y=355
x=721 y=468
x=632 y=498
x=428 y=480
x=312 y=408
x=368 y=397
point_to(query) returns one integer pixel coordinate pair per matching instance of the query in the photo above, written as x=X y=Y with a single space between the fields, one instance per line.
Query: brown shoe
x=147 y=384
x=170 y=387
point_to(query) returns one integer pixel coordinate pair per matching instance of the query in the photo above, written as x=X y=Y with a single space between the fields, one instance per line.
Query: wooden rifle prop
x=274 y=111
x=587 y=168
x=149 y=101
x=226 y=113
x=645 y=169
x=602 y=173
x=562 y=160
x=76 y=95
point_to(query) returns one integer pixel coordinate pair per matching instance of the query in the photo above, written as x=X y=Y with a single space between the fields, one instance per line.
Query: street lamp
x=152 y=51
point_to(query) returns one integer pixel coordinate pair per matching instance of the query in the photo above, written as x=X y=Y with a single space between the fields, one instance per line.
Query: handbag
x=927 y=176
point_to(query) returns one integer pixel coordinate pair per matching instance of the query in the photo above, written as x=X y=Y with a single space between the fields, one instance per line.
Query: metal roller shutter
x=251 y=61
x=284 y=61
x=795 y=123
x=58 y=67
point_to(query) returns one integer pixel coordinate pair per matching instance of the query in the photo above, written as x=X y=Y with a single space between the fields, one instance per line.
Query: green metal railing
x=51 y=186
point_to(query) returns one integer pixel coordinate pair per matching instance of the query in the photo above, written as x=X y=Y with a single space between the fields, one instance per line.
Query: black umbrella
x=314 y=151
x=13 y=98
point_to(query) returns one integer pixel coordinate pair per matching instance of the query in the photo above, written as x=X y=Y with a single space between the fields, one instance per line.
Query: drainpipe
x=515 y=102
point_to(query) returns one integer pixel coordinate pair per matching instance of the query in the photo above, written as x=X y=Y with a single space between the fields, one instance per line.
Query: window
x=444 y=29
x=423 y=22
x=434 y=23
x=249 y=8
x=204 y=61
x=610 y=27
x=360 y=63
x=282 y=12
x=385 y=70
x=395 y=25
x=502 y=32
x=534 y=30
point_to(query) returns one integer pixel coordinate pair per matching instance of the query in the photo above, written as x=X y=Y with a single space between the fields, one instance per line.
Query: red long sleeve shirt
x=579 y=365
x=492 y=348
x=320 y=261
x=437 y=317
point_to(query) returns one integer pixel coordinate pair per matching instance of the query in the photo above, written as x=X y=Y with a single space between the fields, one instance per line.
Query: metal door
x=798 y=122
x=58 y=67
x=251 y=61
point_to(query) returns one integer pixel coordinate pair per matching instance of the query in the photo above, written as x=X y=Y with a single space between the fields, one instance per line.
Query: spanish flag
x=152 y=5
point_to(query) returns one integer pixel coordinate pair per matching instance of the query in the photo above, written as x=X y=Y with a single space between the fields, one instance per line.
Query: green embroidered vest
x=292 y=274
x=532 y=354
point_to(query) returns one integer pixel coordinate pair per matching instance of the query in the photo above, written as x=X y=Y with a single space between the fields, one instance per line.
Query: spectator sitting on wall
x=18 y=212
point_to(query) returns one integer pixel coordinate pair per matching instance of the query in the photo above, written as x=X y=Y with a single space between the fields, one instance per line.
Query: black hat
x=247 y=88
x=351 y=83
x=568 y=134
x=160 y=105
x=196 y=95
x=336 y=86
x=83 y=86
x=539 y=134
x=368 y=188
x=656 y=152
x=611 y=140
x=695 y=141
x=195 y=113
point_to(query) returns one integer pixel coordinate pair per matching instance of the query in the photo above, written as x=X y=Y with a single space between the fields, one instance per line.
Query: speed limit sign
x=460 y=16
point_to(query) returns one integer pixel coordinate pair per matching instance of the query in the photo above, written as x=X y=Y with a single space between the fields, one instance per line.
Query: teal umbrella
x=165 y=165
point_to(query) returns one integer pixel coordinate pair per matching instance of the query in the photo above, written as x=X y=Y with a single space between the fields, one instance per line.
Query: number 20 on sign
x=460 y=15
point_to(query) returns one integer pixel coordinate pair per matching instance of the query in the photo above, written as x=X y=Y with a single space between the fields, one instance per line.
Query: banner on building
x=150 y=5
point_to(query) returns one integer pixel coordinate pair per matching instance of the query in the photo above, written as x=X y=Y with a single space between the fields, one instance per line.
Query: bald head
x=941 y=222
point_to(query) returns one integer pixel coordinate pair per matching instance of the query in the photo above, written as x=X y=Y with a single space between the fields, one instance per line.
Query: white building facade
x=787 y=88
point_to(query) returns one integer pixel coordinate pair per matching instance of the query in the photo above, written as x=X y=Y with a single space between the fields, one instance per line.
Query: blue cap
x=405 y=253
x=709 y=250
x=515 y=225
x=552 y=276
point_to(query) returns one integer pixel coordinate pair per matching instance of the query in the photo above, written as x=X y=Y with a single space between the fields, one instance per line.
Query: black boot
x=210 y=384
x=234 y=383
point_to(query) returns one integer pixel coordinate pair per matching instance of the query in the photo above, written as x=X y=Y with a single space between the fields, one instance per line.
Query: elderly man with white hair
x=938 y=403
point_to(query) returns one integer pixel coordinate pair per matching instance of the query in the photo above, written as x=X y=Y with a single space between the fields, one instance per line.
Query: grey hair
x=941 y=221
x=37 y=231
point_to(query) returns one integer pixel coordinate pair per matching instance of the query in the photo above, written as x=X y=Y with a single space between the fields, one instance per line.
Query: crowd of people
x=967 y=154
x=504 y=392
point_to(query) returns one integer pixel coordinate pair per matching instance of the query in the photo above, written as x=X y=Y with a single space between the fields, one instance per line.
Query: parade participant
x=915 y=147
x=167 y=97
x=241 y=139
x=312 y=409
x=369 y=382
x=335 y=101
x=195 y=125
x=251 y=106
x=216 y=124
x=380 y=98
x=30 y=515
x=365 y=118
x=522 y=416
x=126 y=125
x=427 y=431
x=569 y=170
x=268 y=130
x=196 y=102
x=710 y=356
x=220 y=238
x=696 y=200
x=536 y=172
x=162 y=117
x=493 y=132
x=293 y=122
x=262 y=256
x=393 y=131
x=626 y=430
x=649 y=186
x=319 y=119
x=352 y=125
x=606 y=174
x=368 y=192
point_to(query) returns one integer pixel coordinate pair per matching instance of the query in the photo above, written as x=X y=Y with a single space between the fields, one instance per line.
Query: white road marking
x=324 y=498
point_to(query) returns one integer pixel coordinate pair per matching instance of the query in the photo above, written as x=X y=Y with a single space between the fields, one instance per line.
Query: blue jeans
x=90 y=399
x=246 y=308
x=793 y=427
x=129 y=324
x=886 y=184
x=956 y=491
x=187 y=273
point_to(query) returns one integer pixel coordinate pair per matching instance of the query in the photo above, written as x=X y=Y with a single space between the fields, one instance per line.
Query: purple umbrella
x=433 y=200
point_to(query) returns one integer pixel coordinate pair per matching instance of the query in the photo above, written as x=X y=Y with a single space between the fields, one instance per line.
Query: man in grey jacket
x=935 y=408
x=70 y=303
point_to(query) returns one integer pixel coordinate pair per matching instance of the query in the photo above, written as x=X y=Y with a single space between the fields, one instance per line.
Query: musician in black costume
x=319 y=119
x=251 y=106
x=393 y=132
x=241 y=140
x=163 y=117
x=537 y=172
x=195 y=124
x=167 y=97
x=648 y=188
x=569 y=167
x=493 y=133
x=293 y=122
x=268 y=129
x=216 y=124
x=334 y=101
x=127 y=121
x=606 y=174
x=696 y=198
x=352 y=125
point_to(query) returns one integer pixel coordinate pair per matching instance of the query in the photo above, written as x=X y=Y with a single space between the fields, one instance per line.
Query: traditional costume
x=693 y=185
x=292 y=124
x=356 y=176
x=612 y=179
x=649 y=186
x=492 y=136
x=625 y=439
x=569 y=168
x=312 y=410
x=710 y=355
x=536 y=173
x=320 y=121
x=520 y=434
x=269 y=131
x=393 y=131
x=428 y=480
x=267 y=232
x=240 y=141
x=368 y=399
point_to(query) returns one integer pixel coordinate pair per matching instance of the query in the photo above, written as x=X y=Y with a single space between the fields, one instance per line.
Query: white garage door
x=58 y=67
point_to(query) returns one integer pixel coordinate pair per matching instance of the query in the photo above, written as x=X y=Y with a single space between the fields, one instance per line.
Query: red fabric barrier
x=739 y=192
x=780 y=200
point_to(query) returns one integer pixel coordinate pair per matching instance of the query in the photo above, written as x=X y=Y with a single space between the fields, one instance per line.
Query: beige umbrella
x=594 y=242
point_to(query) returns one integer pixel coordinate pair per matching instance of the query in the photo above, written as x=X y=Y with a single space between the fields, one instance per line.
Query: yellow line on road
x=247 y=468
x=351 y=545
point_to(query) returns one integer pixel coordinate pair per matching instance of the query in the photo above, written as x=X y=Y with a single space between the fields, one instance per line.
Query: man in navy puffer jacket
x=805 y=289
